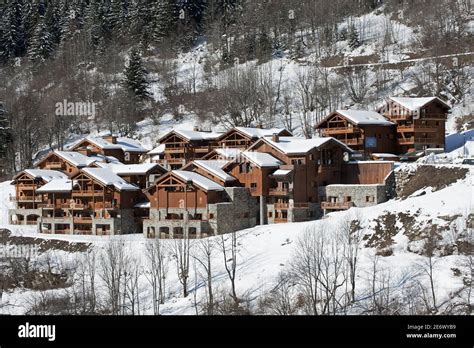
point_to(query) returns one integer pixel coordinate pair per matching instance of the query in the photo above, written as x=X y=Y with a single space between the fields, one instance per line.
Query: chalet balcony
x=281 y=205
x=419 y=140
x=91 y=193
x=54 y=165
x=280 y=220
x=417 y=128
x=340 y=130
x=398 y=117
x=27 y=186
x=83 y=219
x=26 y=199
x=337 y=205
x=278 y=191
x=175 y=161
x=175 y=150
x=353 y=142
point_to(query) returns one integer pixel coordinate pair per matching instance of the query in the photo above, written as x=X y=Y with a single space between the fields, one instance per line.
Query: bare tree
x=181 y=249
x=427 y=266
x=351 y=235
x=156 y=254
x=355 y=83
x=113 y=262
x=229 y=250
x=204 y=251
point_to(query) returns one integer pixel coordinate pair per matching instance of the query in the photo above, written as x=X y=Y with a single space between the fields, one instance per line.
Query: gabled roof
x=299 y=145
x=124 y=144
x=215 y=167
x=57 y=185
x=76 y=158
x=192 y=135
x=130 y=169
x=362 y=117
x=198 y=179
x=45 y=174
x=415 y=104
x=260 y=132
x=109 y=178
x=261 y=159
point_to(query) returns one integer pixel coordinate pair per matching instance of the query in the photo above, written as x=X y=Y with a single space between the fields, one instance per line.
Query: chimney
x=110 y=138
x=275 y=138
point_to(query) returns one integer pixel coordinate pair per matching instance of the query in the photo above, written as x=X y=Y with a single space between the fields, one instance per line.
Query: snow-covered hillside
x=395 y=230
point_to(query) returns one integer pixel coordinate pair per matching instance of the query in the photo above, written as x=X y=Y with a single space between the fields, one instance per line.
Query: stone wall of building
x=359 y=194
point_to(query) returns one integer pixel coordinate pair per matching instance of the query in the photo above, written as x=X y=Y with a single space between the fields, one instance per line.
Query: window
x=311 y=157
x=347 y=198
x=369 y=199
x=270 y=214
x=211 y=216
x=437 y=123
x=253 y=185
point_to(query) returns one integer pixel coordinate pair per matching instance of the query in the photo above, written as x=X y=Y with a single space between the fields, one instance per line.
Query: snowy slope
x=264 y=251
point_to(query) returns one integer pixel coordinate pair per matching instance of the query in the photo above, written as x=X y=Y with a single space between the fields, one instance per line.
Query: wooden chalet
x=122 y=149
x=364 y=131
x=141 y=175
x=68 y=162
x=420 y=122
x=243 y=137
x=307 y=164
x=182 y=147
x=27 y=198
x=213 y=170
x=95 y=201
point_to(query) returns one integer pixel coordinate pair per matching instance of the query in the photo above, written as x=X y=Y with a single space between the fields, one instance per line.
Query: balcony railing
x=280 y=220
x=88 y=193
x=352 y=141
x=337 y=205
x=340 y=130
x=281 y=205
x=417 y=127
x=55 y=165
x=278 y=191
x=26 y=199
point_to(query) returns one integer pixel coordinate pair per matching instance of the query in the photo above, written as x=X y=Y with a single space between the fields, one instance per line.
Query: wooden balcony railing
x=278 y=191
x=54 y=165
x=281 y=205
x=26 y=199
x=417 y=128
x=352 y=141
x=280 y=220
x=340 y=130
x=337 y=205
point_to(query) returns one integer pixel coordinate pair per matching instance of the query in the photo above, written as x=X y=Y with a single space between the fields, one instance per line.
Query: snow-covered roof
x=227 y=152
x=108 y=177
x=76 y=158
x=46 y=174
x=129 y=169
x=57 y=185
x=259 y=132
x=157 y=150
x=215 y=167
x=365 y=117
x=384 y=155
x=101 y=158
x=282 y=172
x=261 y=159
x=414 y=104
x=300 y=145
x=199 y=180
x=142 y=205
x=122 y=143
x=194 y=135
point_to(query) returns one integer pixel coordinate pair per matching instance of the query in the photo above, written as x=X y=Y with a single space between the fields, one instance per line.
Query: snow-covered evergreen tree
x=136 y=76
x=5 y=132
x=354 y=41
x=42 y=43
x=12 y=32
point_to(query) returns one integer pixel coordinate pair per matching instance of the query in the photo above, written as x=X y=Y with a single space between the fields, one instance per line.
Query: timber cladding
x=365 y=173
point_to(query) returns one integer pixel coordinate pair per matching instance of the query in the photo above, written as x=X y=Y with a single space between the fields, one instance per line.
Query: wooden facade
x=26 y=186
x=236 y=138
x=180 y=150
x=53 y=161
x=354 y=134
x=417 y=128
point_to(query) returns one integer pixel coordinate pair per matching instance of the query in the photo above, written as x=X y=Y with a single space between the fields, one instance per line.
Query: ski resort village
x=236 y=157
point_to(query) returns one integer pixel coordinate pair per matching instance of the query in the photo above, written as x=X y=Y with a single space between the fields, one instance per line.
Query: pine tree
x=13 y=33
x=136 y=76
x=42 y=45
x=5 y=132
x=354 y=41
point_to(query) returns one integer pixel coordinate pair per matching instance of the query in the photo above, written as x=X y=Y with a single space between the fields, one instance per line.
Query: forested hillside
x=228 y=62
